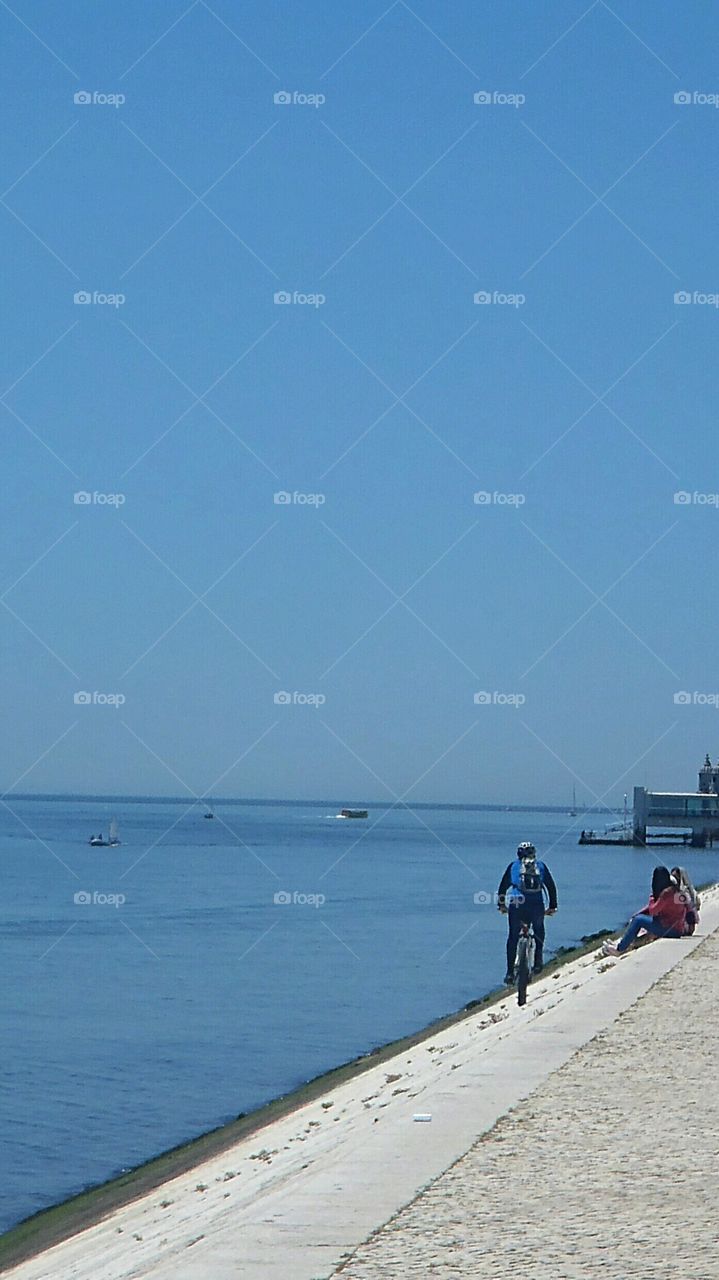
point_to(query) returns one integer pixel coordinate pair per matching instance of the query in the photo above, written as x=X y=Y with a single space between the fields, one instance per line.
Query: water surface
x=129 y=1028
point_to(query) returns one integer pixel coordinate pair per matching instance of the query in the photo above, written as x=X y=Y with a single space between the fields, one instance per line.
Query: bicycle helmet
x=526 y=849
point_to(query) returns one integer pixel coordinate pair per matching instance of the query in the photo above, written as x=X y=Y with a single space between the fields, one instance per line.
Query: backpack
x=530 y=876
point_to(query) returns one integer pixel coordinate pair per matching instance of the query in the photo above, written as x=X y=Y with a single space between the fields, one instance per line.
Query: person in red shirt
x=664 y=915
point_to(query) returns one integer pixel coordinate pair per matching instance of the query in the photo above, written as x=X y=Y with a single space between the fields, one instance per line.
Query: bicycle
x=524 y=964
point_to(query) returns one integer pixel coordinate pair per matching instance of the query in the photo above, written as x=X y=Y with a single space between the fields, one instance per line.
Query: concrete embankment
x=298 y=1197
x=607 y=1169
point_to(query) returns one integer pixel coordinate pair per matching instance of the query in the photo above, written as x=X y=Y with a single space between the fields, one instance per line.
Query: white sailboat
x=113 y=839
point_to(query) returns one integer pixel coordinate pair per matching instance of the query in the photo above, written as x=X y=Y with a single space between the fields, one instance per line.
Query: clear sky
x=382 y=387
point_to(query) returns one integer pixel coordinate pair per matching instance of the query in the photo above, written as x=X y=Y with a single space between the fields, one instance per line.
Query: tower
x=709 y=777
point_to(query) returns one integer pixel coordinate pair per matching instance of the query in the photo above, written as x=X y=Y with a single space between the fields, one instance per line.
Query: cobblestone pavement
x=610 y=1170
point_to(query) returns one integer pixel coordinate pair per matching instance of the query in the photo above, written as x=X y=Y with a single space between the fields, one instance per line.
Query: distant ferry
x=352 y=813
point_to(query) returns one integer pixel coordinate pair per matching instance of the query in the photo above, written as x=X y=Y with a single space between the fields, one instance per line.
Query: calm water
x=127 y=1029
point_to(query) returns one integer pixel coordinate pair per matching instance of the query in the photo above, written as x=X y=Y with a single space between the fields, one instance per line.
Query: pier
x=669 y=817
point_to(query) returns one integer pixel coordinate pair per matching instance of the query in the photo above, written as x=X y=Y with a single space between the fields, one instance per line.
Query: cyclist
x=521 y=896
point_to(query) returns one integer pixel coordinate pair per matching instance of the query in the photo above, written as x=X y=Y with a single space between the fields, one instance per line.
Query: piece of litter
x=422 y=1117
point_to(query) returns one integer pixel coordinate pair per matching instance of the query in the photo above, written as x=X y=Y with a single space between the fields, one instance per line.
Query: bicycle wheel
x=522 y=971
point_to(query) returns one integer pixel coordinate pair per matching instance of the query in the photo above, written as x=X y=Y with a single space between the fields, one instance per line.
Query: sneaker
x=537 y=969
x=509 y=979
x=610 y=949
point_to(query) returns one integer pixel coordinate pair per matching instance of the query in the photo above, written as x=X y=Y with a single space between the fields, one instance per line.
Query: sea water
x=158 y=989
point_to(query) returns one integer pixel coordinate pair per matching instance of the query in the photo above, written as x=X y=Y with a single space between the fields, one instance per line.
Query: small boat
x=209 y=814
x=113 y=839
x=352 y=813
x=616 y=834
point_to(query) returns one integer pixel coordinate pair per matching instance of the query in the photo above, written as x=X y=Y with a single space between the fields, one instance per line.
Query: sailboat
x=573 y=810
x=113 y=839
x=209 y=813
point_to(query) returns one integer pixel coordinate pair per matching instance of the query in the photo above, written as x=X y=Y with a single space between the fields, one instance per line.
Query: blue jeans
x=651 y=925
x=526 y=913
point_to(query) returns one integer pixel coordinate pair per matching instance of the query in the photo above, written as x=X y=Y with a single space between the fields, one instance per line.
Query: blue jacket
x=509 y=889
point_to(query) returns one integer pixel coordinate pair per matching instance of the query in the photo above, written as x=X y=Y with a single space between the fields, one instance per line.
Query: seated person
x=664 y=915
x=692 y=899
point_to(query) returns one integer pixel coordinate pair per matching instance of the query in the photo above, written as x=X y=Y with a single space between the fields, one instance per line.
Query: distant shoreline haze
x=381 y=805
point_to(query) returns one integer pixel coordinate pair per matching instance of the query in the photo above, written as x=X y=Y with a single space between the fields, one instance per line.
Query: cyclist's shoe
x=537 y=969
x=508 y=979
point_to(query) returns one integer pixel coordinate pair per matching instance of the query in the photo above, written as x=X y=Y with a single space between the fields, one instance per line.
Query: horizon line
x=145 y=798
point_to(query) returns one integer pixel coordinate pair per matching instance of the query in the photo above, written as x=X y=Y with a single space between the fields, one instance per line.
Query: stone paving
x=611 y=1169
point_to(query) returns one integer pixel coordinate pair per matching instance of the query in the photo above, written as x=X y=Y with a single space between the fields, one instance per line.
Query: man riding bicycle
x=521 y=896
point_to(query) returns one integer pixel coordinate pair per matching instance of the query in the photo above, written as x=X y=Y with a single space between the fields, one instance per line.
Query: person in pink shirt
x=664 y=915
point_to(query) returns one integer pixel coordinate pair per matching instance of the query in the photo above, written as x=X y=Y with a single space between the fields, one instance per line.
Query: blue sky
x=395 y=397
